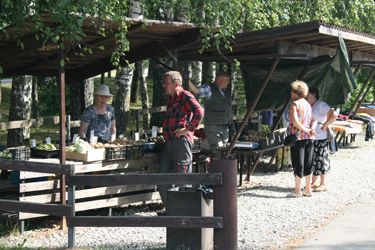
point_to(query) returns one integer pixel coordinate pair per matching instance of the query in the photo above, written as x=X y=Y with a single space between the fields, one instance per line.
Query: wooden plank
x=284 y=47
x=87 y=193
x=51 y=209
x=63 y=169
x=147 y=160
x=127 y=221
x=28 y=175
x=145 y=179
x=29 y=123
x=117 y=201
x=39 y=186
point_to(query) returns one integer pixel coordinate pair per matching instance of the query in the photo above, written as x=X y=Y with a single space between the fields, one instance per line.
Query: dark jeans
x=176 y=157
x=302 y=157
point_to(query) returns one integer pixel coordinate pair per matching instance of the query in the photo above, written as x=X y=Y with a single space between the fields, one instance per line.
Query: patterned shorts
x=321 y=162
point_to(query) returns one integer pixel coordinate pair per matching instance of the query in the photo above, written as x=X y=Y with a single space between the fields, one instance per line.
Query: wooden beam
x=36 y=167
x=32 y=207
x=127 y=221
x=144 y=179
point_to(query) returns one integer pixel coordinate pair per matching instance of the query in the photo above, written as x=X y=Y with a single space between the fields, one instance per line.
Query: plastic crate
x=18 y=154
x=251 y=126
x=115 y=153
x=197 y=146
x=134 y=151
x=45 y=153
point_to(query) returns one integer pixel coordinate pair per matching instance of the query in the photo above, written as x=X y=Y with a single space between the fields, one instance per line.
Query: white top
x=320 y=110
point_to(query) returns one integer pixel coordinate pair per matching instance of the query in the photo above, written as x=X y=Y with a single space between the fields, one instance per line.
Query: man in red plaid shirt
x=184 y=114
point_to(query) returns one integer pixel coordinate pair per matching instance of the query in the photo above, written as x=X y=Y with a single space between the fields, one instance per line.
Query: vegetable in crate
x=46 y=146
x=80 y=146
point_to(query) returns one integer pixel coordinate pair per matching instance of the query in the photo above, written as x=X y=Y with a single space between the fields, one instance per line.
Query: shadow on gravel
x=247 y=191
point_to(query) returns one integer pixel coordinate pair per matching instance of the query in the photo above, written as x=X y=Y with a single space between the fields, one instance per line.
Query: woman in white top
x=321 y=162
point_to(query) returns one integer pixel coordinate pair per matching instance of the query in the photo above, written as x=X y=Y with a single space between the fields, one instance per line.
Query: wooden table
x=251 y=163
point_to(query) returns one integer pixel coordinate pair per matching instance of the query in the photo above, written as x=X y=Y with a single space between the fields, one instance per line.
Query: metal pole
x=357 y=69
x=360 y=93
x=253 y=104
x=71 y=202
x=61 y=81
x=225 y=204
x=364 y=96
x=286 y=104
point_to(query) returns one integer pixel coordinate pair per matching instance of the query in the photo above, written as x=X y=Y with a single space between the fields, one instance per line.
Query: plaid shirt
x=183 y=111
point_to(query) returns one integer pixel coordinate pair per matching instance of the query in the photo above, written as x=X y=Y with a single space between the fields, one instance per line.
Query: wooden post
x=61 y=81
x=225 y=204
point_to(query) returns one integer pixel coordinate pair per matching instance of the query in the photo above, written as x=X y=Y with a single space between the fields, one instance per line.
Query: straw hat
x=102 y=89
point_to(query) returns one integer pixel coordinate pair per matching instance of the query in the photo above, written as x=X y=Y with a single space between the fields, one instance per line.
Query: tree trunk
x=135 y=83
x=122 y=98
x=208 y=72
x=34 y=98
x=160 y=98
x=20 y=109
x=75 y=111
x=144 y=96
x=196 y=72
x=151 y=67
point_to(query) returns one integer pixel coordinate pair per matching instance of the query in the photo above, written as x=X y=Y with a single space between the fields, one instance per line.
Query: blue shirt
x=206 y=92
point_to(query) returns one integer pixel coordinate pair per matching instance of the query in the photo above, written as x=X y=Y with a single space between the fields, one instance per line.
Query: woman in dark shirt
x=99 y=117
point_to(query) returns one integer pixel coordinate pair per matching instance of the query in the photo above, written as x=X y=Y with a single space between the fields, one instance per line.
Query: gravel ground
x=266 y=218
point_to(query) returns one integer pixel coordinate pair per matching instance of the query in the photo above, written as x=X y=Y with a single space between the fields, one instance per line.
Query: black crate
x=197 y=146
x=134 y=151
x=44 y=153
x=18 y=154
x=245 y=131
x=115 y=153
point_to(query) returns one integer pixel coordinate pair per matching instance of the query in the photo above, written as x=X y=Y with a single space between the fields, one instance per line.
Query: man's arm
x=193 y=88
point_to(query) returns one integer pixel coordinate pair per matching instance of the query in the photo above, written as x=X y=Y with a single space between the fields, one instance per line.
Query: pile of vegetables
x=46 y=146
x=80 y=146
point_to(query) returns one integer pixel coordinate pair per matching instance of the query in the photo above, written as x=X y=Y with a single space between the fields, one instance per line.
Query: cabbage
x=80 y=146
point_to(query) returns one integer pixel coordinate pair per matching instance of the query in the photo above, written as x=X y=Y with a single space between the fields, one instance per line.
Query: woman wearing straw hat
x=99 y=117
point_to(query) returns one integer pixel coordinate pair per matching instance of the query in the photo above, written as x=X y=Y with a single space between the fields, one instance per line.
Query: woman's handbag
x=330 y=134
x=290 y=140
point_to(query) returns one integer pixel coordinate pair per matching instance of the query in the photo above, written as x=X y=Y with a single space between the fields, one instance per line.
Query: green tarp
x=334 y=79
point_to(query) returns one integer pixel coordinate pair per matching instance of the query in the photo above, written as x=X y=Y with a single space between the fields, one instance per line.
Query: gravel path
x=266 y=218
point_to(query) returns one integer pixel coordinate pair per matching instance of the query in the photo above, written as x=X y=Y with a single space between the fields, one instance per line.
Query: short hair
x=314 y=91
x=300 y=88
x=175 y=76
x=222 y=73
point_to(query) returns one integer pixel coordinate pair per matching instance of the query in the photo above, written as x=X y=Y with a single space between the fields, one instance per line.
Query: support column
x=225 y=204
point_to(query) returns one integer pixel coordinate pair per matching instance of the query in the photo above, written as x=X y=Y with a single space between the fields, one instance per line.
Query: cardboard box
x=91 y=155
x=370 y=112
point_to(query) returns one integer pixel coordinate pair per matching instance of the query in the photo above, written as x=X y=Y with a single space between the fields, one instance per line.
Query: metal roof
x=316 y=38
x=35 y=59
x=163 y=38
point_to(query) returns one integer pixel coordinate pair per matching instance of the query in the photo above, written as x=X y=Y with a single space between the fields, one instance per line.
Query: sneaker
x=306 y=194
x=293 y=195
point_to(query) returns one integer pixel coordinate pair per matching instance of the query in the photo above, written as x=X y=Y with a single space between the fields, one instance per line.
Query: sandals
x=293 y=195
x=306 y=194
x=320 y=189
x=314 y=185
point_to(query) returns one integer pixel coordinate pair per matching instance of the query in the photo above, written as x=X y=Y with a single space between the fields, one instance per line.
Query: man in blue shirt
x=218 y=122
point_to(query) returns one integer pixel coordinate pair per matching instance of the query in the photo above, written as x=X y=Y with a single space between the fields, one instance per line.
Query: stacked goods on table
x=158 y=141
x=265 y=139
x=45 y=150
x=83 y=151
x=121 y=148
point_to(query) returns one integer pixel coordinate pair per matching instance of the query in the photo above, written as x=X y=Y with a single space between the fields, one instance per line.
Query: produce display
x=46 y=146
x=254 y=135
x=158 y=139
x=116 y=143
x=80 y=146
x=5 y=155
